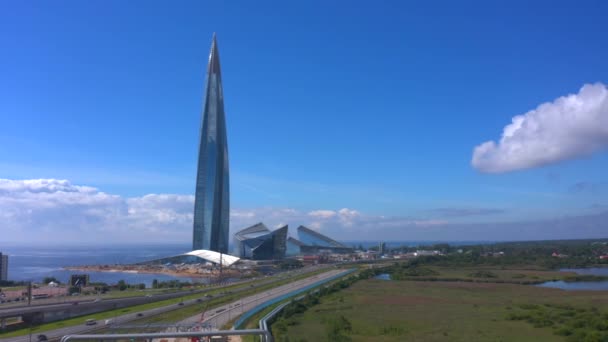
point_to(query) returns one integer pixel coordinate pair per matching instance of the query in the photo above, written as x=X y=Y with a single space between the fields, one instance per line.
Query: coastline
x=182 y=273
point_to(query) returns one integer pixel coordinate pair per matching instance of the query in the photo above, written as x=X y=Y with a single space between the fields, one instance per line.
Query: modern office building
x=194 y=258
x=212 y=194
x=312 y=242
x=3 y=266
x=382 y=248
x=259 y=243
x=294 y=246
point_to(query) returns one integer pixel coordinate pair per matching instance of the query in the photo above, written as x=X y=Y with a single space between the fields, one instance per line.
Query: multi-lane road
x=216 y=318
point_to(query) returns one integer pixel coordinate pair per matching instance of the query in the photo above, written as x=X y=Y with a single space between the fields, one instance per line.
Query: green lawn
x=380 y=310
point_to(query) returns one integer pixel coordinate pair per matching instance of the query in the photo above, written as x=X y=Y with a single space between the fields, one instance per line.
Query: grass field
x=380 y=310
x=485 y=274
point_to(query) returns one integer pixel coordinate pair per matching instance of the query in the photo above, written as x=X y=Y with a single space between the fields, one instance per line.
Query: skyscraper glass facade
x=312 y=242
x=212 y=194
x=3 y=266
x=312 y=238
x=259 y=243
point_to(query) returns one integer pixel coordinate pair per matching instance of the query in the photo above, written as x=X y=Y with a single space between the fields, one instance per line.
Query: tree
x=122 y=285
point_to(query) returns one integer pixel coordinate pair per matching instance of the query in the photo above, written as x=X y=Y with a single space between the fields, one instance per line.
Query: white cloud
x=56 y=211
x=59 y=211
x=322 y=213
x=570 y=127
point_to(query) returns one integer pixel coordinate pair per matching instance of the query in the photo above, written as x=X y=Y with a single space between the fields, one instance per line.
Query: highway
x=70 y=300
x=119 y=320
x=216 y=318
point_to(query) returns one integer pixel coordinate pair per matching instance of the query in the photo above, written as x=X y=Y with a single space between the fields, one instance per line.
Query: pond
x=383 y=276
x=581 y=285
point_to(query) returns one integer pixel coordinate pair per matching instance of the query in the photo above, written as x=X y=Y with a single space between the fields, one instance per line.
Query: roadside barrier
x=247 y=315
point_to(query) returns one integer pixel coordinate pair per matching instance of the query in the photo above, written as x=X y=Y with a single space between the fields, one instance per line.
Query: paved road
x=120 y=302
x=58 y=302
x=119 y=320
x=217 y=317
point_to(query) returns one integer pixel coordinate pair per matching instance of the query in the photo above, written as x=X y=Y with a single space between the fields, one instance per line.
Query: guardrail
x=113 y=337
x=263 y=321
x=263 y=332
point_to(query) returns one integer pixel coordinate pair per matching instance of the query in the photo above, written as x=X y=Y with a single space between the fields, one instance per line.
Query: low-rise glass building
x=260 y=243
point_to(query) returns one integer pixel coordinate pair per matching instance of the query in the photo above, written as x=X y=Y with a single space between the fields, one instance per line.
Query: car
x=208 y=296
x=199 y=300
x=74 y=303
x=90 y=321
x=180 y=303
x=139 y=314
x=109 y=321
x=42 y=338
x=96 y=300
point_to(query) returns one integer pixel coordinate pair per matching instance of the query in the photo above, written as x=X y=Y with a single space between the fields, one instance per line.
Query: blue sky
x=375 y=107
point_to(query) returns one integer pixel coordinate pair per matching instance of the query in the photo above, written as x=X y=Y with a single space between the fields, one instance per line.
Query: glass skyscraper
x=212 y=194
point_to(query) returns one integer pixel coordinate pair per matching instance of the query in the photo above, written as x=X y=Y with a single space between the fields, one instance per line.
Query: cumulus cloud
x=56 y=211
x=51 y=209
x=59 y=211
x=570 y=127
x=322 y=213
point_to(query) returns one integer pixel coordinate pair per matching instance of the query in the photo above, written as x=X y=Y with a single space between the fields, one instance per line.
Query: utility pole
x=29 y=293
x=221 y=264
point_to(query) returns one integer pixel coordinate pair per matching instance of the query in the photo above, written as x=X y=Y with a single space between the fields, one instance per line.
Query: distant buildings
x=382 y=248
x=212 y=194
x=3 y=266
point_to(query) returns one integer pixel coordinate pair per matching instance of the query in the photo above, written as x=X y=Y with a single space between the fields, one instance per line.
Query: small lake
x=581 y=285
x=383 y=276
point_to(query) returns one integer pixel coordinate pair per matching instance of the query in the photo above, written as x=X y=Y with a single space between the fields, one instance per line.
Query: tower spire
x=212 y=193
x=214 y=57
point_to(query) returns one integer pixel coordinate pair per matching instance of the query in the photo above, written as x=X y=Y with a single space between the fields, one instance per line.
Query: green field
x=517 y=275
x=380 y=310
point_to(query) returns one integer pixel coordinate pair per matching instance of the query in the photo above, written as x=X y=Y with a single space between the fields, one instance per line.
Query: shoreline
x=212 y=274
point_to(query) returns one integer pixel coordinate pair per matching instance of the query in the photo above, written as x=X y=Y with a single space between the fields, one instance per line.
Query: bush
x=483 y=274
